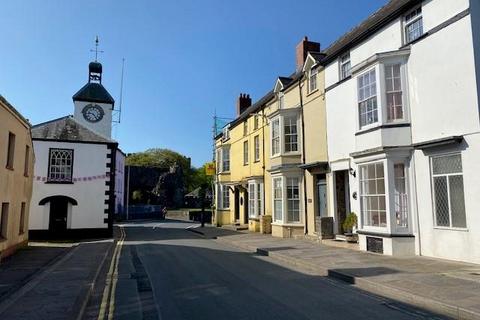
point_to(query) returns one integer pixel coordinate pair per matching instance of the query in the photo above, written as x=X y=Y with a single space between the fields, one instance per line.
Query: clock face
x=93 y=113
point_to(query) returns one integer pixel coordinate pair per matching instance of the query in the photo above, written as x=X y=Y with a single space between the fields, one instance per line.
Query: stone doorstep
x=364 y=284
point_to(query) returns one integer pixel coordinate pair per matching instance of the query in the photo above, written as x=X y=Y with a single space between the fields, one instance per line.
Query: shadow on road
x=190 y=277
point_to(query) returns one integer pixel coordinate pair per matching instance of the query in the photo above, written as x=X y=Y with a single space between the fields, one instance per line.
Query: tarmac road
x=167 y=272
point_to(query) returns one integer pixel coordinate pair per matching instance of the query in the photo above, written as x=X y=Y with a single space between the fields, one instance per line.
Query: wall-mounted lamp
x=352 y=172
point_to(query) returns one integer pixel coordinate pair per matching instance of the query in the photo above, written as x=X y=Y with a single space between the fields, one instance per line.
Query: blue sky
x=184 y=59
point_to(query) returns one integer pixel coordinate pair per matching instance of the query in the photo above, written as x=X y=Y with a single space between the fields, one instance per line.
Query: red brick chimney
x=302 y=50
x=243 y=102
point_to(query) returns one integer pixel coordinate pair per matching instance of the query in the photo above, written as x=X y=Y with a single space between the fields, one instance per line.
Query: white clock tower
x=93 y=104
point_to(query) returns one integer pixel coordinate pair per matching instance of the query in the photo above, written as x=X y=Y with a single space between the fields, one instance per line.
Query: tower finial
x=96 y=49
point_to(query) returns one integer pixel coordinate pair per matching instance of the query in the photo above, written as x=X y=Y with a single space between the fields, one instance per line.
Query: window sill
x=287 y=224
x=58 y=182
x=224 y=173
x=312 y=92
x=379 y=126
x=451 y=229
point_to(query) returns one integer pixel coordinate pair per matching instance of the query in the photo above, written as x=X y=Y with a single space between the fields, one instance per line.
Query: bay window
x=290 y=133
x=286 y=192
x=401 y=199
x=448 y=193
x=293 y=200
x=276 y=136
x=372 y=195
x=277 y=199
x=284 y=134
x=367 y=98
x=255 y=199
x=393 y=90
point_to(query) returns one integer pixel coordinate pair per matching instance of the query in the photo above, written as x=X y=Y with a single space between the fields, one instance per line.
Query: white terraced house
x=403 y=128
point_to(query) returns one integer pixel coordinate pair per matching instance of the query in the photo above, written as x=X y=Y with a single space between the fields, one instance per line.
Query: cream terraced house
x=261 y=169
x=16 y=178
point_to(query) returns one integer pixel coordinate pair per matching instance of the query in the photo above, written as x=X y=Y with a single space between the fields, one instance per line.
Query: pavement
x=57 y=286
x=164 y=271
x=445 y=287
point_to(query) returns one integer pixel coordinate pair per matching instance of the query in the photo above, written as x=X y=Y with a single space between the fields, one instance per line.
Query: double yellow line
x=107 y=307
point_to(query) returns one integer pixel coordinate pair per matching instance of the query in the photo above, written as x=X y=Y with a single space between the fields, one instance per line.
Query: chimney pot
x=302 y=50
x=243 y=102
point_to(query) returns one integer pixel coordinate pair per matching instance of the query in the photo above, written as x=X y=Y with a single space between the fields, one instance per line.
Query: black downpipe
x=303 y=154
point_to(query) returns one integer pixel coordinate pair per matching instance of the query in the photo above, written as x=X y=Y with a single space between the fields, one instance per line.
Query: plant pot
x=351 y=237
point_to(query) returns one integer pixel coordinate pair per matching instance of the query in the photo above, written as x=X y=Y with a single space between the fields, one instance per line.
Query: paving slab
x=448 y=287
x=17 y=270
x=62 y=290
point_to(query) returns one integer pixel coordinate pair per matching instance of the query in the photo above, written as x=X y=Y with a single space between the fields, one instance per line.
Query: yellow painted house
x=16 y=178
x=272 y=159
x=240 y=163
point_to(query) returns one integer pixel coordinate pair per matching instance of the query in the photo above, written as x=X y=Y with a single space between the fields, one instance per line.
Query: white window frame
x=364 y=99
x=58 y=172
x=447 y=175
x=225 y=160
x=344 y=66
x=275 y=139
x=312 y=80
x=284 y=200
x=255 y=199
x=245 y=153
x=278 y=217
x=245 y=128
x=223 y=190
x=289 y=200
x=281 y=100
x=226 y=133
x=281 y=140
x=256 y=143
x=401 y=202
x=363 y=196
x=386 y=107
x=407 y=22
x=287 y=120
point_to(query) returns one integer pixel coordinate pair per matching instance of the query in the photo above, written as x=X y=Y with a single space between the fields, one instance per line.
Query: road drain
x=144 y=287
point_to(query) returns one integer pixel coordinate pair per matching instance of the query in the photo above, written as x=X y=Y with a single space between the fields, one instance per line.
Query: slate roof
x=369 y=26
x=93 y=92
x=66 y=129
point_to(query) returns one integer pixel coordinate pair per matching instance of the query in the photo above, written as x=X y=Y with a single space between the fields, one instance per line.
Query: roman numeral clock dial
x=93 y=113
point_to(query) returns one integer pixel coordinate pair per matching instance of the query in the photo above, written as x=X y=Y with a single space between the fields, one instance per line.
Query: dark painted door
x=341 y=182
x=245 y=206
x=58 y=216
x=237 y=204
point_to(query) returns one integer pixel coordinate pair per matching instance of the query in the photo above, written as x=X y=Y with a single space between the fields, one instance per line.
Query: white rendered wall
x=89 y=160
x=104 y=126
x=119 y=182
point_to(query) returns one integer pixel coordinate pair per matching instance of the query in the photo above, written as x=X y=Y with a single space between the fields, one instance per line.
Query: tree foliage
x=165 y=158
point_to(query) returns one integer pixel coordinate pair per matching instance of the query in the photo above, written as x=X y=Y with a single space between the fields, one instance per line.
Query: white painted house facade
x=76 y=168
x=404 y=87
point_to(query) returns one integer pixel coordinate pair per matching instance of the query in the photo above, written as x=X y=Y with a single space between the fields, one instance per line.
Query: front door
x=322 y=197
x=237 y=204
x=58 y=216
x=342 y=198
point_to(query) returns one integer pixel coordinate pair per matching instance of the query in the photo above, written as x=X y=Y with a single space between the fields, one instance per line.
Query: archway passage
x=58 y=213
